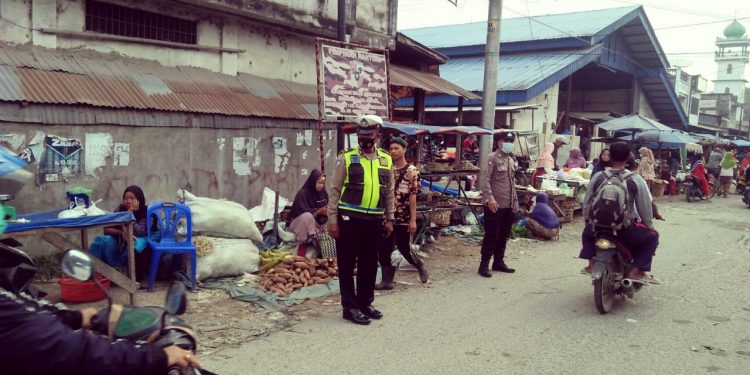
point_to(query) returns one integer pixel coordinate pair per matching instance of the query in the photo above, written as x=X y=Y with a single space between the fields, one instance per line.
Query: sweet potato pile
x=297 y=272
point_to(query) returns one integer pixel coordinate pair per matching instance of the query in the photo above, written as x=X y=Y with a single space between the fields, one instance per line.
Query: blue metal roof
x=554 y=26
x=519 y=72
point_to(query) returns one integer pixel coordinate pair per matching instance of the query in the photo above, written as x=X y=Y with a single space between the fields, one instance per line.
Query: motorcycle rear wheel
x=689 y=194
x=604 y=290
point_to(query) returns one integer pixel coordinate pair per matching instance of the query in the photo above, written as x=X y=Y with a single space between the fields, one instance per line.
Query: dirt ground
x=222 y=322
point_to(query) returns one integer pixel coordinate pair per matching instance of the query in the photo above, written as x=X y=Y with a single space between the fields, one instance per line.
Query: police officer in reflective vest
x=360 y=208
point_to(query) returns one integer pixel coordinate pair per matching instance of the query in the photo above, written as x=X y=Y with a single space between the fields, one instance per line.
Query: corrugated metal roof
x=553 y=26
x=518 y=72
x=403 y=76
x=83 y=77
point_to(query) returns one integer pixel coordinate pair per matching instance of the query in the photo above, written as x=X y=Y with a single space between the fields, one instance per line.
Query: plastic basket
x=75 y=291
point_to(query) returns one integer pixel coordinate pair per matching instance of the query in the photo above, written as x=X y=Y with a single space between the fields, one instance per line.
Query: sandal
x=585 y=271
x=650 y=279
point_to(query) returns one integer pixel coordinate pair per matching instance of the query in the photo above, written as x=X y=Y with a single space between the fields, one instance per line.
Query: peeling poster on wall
x=243 y=151
x=98 y=148
x=300 y=138
x=122 y=154
x=12 y=141
x=281 y=154
x=60 y=159
x=308 y=137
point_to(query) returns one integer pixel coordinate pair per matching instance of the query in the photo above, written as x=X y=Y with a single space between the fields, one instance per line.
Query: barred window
x=118 y=20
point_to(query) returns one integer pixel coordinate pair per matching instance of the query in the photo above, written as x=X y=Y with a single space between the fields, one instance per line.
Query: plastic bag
x=265 y=210
x=13 y=176
x=220 y=218
x=229 y=257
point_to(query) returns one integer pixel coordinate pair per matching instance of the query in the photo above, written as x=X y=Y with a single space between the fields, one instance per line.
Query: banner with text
x=355 y=83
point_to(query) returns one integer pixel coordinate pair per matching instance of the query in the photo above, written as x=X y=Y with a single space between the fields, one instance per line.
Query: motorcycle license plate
x=687 y=183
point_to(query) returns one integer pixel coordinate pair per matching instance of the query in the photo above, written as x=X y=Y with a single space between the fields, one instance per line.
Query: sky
x=686 y=29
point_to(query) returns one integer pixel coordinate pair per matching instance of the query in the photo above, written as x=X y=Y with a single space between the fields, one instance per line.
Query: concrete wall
x=542 y=117
x=164 y=159
x=271 y=52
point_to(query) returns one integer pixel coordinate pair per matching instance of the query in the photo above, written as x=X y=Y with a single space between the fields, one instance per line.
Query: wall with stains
x=274 y=51
x=235 y=164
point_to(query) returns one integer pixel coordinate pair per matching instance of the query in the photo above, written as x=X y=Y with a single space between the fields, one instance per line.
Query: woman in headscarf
x=542 y=221
x=745 y=162
x=646 y=166
x=603 y=163
x=576 y=159
x=111 y=248
x=698 y=171
x=545 y=164
x=727 y=172
x=309 y=213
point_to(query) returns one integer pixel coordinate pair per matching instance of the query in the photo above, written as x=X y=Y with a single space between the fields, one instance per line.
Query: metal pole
x=489 y=91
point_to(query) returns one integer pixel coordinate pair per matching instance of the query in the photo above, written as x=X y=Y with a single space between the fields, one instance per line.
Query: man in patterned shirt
x=406 y=188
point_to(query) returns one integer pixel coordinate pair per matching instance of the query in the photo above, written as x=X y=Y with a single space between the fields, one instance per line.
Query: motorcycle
x=693 y=191
x=158 y=326
x=612 y=263
x=746 y=197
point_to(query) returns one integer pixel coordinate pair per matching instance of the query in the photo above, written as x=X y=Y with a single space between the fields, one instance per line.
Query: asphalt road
x=542 y=319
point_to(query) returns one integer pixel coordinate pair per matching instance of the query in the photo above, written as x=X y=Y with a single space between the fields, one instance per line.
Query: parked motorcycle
x=158 y=326
x=612 y=263
x=746 y=197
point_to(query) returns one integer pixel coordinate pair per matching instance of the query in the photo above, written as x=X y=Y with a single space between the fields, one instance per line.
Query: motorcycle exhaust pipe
x=627 y=287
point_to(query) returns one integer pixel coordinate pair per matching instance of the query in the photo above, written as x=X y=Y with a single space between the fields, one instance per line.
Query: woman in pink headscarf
x=576 y=159
x=646 y=165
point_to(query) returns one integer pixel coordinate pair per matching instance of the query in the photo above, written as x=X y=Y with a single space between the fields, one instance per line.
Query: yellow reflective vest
x=366 y=184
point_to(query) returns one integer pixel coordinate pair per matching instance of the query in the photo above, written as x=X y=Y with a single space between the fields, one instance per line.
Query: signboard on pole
x=355 y=83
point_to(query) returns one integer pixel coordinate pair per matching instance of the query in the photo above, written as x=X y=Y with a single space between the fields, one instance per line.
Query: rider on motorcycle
x=639 y=237
x=37 y=337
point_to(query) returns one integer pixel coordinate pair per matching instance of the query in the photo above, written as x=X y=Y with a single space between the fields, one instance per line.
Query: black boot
x=484 y=266
x=501 y=266
x=386 y=282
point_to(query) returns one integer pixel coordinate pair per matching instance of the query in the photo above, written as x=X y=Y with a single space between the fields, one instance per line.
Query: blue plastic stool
x=168 y=216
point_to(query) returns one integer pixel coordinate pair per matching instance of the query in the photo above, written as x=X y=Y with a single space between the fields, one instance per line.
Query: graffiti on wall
x=355 y=82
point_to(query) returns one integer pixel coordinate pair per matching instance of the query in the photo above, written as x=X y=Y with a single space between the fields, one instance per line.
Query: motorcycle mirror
x=176 y=301
x=78 y=265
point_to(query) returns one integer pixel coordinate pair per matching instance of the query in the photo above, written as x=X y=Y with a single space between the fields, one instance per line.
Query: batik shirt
x=407 y=183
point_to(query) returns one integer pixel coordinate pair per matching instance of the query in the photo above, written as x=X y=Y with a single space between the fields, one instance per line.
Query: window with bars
x=118 y=20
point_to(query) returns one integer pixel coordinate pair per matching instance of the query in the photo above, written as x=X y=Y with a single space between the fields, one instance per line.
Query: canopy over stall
x=659 y=139
x=632 y=123
x=740 y=143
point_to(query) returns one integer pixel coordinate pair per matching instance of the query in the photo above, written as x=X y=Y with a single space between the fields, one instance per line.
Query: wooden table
x=52 y=233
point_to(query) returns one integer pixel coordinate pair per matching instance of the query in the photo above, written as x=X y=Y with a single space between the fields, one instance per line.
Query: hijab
x=697 y=160
x=601 y=164
x=745 y=162
x=142 y=207
x=546 y=160
x=309 y=199
x=647 y=155
x=543 y=213
x=576 y=159
x=728 y=161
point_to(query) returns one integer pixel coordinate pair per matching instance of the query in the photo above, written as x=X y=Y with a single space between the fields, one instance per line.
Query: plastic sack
x=229 y=257
x=265 y=210
x=220 y=218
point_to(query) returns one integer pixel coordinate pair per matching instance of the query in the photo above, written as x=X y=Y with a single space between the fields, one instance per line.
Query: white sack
x=265 y=210
x=229 y=257
x=220 y=217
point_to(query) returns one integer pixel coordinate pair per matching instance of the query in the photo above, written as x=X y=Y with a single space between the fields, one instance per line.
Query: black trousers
x=358 y=245
x=401 y=238
x=497 y=227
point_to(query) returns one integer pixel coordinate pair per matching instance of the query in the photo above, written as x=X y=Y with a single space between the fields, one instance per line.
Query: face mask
x=365 y=143
x=507 y=147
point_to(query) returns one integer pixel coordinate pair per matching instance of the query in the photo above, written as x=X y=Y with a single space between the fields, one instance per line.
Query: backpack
x=611 y=206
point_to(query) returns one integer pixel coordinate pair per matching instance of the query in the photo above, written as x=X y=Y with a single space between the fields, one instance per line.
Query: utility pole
x=489 y=92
